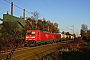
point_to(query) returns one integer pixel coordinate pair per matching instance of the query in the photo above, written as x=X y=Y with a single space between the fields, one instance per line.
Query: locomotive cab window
x=30 y=32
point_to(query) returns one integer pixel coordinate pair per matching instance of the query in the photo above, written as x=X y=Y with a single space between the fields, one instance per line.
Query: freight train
x=41 y=37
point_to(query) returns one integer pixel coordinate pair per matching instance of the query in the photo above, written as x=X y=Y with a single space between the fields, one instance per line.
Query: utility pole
x=36 y=15
x=73 y=31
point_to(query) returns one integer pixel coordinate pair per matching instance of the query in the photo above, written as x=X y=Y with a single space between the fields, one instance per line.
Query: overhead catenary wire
x=50 y=8
x=29 y=7
x=1 y=8
x=4 y=12
x=25 y=4
x=17 y=6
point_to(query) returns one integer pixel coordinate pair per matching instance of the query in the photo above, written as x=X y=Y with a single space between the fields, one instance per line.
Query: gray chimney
x=11 y=8
x=24 y=14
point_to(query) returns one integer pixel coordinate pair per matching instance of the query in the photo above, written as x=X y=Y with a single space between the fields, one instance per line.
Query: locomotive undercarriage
x=40 y=42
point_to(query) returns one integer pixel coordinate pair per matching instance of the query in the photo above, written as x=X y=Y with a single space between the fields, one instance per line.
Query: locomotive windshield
x=31 y=32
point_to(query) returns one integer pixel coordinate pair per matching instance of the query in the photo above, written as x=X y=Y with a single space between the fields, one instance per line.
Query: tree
x=67 y=33
x=56 y=24
x=30 y=24
x=63 y=32
x=88 y=34
x=83 y=31
x=39 y=25
x=49 y=26
x=43 y=24
x=84 y=28
x=9 y=28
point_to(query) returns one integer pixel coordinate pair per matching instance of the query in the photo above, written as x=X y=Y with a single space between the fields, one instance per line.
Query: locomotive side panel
x=44 y=36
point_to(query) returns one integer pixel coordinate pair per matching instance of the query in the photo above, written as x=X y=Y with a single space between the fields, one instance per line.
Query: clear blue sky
x=65 y=12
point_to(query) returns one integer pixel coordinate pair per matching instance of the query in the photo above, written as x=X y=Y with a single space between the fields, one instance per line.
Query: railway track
x=30 y=53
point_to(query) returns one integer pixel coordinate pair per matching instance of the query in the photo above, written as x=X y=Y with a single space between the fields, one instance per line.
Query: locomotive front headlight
x=27 y=37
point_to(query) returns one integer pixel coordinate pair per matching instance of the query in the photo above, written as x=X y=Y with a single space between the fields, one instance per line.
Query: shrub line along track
x=28 y=53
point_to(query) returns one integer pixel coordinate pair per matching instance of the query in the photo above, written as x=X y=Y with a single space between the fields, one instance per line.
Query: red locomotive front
x=32 y=36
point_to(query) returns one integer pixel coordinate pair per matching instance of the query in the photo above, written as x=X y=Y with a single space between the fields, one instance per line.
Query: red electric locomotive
x=39 y=37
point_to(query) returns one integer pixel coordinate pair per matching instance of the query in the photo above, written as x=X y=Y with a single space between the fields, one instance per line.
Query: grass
x=77 y=50
x=83 y=53
x=76 y=55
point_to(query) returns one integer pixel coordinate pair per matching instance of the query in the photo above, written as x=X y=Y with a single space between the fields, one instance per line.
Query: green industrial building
x=21 y=22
